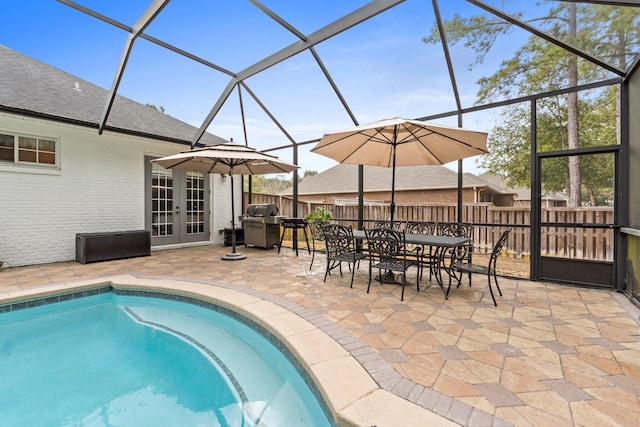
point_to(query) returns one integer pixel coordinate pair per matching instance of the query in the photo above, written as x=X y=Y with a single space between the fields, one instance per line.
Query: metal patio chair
x=489 y=270
x=387 y=251
x=340 y=248
x=425 y=256
x=394 y=225
x=455 y=229
x=317 y=239
x=458 y=229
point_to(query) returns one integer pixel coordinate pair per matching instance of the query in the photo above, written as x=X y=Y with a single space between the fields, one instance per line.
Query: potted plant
x=319 y=214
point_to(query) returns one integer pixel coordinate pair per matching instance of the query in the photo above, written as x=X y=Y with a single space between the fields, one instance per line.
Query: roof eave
x=82 y=123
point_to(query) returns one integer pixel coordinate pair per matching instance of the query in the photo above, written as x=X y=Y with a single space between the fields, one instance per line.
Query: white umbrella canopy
x=227 y=159
x=416 y=143
x=401 y=142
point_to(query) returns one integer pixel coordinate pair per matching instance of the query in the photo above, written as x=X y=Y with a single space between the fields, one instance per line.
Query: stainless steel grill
x=261 y=225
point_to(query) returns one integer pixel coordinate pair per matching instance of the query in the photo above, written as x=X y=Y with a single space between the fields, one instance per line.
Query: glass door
x=177 y=205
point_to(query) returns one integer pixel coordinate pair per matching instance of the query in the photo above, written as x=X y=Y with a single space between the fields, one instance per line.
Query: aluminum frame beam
x=141 y=24
x=607 y=2
x=447 y=55
x=547 y=37
x=354 y=18
x=147 y=37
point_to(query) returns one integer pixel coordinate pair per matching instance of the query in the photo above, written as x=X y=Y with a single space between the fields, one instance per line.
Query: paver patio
x=547 y=355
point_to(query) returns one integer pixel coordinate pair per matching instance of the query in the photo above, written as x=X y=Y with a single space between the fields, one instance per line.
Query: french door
x=176 y=205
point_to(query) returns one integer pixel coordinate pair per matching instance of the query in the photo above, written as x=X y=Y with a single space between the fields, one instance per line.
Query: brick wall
x=98 y=188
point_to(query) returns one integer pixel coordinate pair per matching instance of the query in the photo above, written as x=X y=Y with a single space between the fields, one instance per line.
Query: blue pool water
x=114 y=360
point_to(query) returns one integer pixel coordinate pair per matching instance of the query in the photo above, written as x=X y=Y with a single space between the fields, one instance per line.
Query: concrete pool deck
x=547 y=355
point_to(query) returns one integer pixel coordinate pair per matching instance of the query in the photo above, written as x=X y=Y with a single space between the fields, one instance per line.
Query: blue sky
x=382 y=67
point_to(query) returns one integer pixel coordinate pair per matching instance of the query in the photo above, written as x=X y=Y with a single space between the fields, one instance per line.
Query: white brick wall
x=99 y=187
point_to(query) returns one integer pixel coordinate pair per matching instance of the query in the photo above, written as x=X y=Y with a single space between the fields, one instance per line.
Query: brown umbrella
x=227 y=159
x=401 y=142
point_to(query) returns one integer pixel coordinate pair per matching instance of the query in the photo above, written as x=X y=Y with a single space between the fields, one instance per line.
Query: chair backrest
x=393 y=225
x=315 y=227
x=454 y=229
x=383 y=243
x=338 y=238
x=497 y=248
x=420 y=227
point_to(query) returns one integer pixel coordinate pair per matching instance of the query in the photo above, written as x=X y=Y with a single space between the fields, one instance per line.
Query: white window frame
x=18 y=164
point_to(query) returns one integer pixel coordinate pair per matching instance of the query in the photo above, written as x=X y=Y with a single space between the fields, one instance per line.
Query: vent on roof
x=77 y=87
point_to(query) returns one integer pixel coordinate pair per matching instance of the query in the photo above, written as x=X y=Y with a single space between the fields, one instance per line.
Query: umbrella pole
x=392 y=207
x=388 y=275
x=233 y=255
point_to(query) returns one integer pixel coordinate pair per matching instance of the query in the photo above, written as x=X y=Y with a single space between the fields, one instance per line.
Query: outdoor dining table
x=443 y=245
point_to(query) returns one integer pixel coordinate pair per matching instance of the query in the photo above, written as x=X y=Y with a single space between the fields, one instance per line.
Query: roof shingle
x=32 y=87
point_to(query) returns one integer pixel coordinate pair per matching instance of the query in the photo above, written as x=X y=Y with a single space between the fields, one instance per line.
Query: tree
x=306 y=174
x=509 y=146
x=608 y=32
x=161 y=108
x=272 y=185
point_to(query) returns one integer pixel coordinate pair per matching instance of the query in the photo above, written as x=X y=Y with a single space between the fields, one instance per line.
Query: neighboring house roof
x=31 y=87
x=521 y=192
x=343 y=178
x=483 y=181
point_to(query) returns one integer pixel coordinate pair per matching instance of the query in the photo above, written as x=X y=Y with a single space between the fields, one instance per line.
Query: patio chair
x=457 y=229
x=421 y=227
x=387 y=251
x=394 y=225
x=317 y=239
x=340 y=248
x=425 y=256
x=489 y=270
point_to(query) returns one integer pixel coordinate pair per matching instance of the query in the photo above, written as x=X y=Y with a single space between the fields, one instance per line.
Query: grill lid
x=261 y=210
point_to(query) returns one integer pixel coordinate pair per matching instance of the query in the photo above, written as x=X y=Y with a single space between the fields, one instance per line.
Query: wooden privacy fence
x=594 y=243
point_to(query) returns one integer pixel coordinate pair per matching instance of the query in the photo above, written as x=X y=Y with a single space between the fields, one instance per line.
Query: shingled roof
x=343 y=178
x=33 y=88
x=521 y=192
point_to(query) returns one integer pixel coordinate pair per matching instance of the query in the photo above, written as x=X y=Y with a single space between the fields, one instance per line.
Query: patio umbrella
x=401 y=142
x=227 y=159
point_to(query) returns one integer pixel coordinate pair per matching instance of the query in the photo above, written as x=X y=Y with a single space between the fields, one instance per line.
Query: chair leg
x=404 y=284
x=353 y=272
x=491 y=290
x=327 y=270
x=306 y=239
x=495 y=279
x=370 y=274
x=281 y=239
x=431 y=255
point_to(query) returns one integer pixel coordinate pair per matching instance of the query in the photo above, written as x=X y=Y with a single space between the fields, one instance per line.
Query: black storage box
x=93 y=247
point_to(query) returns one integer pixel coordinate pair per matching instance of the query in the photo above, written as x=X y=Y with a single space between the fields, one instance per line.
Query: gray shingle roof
x=32 y=87
x=343 y=178
x=521 y=193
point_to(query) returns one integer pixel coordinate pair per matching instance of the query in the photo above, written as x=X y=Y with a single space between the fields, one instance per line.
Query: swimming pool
x=125 y=359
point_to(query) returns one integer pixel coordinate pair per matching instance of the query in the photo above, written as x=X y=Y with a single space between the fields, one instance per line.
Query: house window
x=6 y=148
x=28 y=149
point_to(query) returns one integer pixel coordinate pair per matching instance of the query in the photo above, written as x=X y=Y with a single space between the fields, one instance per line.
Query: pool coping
x=353 y=396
